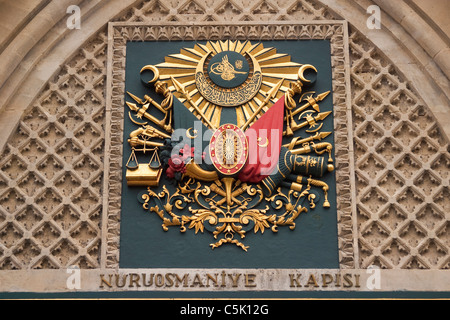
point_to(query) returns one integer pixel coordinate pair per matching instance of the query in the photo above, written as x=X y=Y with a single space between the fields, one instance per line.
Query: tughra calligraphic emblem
x=228 y=149
x=226 y=70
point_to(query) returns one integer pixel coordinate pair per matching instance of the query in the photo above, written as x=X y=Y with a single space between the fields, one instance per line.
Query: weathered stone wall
x=52 y=109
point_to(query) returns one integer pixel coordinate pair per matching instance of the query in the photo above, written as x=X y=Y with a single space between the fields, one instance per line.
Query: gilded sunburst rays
x=274 y=67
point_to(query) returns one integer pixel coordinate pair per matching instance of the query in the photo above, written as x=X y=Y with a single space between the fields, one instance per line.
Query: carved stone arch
x=52 y=114
x=60 y=43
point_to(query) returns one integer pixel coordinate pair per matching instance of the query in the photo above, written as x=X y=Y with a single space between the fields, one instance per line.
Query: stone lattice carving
x=51 y=172
x=402 y=168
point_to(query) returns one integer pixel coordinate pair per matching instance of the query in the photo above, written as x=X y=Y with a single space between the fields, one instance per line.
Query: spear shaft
x=180 y=88
x=270 y=95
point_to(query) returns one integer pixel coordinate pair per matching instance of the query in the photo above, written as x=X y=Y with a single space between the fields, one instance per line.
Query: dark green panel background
x=144 y=244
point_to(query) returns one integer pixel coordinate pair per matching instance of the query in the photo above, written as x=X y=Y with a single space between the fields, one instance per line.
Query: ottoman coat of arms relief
x=237 y=143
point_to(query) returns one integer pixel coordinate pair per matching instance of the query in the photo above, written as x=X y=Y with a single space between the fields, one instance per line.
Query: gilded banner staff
x=270 y=95
x=181 y=89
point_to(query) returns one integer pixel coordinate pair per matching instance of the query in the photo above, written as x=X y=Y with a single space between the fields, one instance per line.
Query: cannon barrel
x=288 y=164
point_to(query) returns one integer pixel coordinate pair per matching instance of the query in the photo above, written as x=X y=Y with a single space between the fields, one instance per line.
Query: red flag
x=264 y=140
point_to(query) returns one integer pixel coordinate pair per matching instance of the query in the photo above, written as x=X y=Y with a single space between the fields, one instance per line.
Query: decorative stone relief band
x=230 y=280
x=335 y=31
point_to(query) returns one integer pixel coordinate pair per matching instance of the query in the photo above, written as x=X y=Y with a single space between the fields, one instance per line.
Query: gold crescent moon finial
x=154 y=70
x=192 y=135
x=301 y=72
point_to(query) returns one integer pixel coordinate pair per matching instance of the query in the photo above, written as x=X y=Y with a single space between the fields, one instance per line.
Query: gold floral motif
x=228 y=220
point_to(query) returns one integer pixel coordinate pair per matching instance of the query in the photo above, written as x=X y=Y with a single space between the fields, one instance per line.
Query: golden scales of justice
x=148 y=174
x=144 y=174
